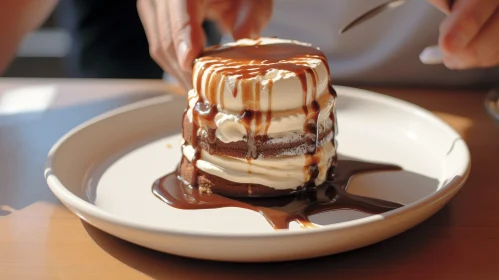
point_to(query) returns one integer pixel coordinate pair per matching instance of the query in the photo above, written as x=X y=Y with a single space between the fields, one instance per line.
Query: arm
x=17 y=18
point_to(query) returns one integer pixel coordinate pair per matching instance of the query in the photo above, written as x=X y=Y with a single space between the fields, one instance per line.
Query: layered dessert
x=260 y=120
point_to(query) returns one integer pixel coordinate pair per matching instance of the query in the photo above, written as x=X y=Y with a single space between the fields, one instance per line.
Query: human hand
x=469 y=36
x=175 y=35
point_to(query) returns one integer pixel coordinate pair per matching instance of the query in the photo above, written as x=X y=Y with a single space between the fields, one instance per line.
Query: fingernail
x=182 y=51
x=253 y=35
x=453 y=63
x=458 y=40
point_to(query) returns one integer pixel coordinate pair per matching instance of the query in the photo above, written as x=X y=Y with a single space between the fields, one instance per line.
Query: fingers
x=186 y=18
x=464 y=23
x=174 y=28
x=442 y=5
x=253 y=17
x=482 y=51
x=487 y=43
x=147 y=16
x=240 y=18
x=224 y=12
x=154 y=18
x=167 y=43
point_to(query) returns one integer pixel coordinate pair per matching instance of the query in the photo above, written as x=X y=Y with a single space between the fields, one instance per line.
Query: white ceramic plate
x=103 y=171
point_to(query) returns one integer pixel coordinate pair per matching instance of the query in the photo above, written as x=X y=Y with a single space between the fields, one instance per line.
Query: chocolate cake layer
x=265 y=147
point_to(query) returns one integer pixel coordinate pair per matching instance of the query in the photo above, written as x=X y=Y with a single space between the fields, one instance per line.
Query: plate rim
x=73 y=202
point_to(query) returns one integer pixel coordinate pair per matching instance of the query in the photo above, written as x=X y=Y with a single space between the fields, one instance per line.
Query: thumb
x=253 y=17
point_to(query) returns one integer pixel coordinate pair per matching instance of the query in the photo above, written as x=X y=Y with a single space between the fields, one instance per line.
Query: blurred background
x=91 y=39
x=42 y=52
x=100 y=39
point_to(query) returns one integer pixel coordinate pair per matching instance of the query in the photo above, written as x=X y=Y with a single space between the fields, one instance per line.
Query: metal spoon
x=372 y=13
x=430 y=55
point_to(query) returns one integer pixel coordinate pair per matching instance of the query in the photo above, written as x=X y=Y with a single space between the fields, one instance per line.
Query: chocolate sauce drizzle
x=280 y=211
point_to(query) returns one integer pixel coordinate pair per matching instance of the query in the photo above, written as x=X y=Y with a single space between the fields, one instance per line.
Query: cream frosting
x=230 y=128
x=286 y=93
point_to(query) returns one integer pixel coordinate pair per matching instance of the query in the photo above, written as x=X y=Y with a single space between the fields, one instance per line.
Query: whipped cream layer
x=278 y=173
x=218 y=81
x=282 y=124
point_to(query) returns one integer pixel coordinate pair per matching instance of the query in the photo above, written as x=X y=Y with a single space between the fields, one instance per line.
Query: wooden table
x=41 y=239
